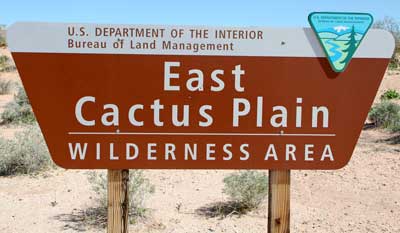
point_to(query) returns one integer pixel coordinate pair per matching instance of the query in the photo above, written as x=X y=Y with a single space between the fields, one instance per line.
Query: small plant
x=25 y=154
x=390 y=95
x=19 y=111
x=386 y=115
x=5 y=86
x=247 y=188
x=139 y=189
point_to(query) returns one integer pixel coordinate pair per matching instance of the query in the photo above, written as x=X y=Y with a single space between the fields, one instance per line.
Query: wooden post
x=118 y=202
x=279 y=201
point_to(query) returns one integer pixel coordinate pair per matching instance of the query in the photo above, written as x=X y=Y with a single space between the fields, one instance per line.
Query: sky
x=277 y=13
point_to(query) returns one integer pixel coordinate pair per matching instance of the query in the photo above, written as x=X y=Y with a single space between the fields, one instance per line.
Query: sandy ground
x=362 y=197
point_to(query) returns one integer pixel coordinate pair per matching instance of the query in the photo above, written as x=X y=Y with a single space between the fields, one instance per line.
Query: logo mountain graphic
x=340 y=34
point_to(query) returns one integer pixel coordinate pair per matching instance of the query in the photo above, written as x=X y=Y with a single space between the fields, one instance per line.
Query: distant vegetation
x=19 y=110
x=6 y=64
x=25 y=154
x=393 y=26
x=6 y=86
x=3 y=42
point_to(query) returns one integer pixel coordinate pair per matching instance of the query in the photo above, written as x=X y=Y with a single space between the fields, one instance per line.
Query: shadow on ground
x=394 y=140
x=368 y=126
x=81 y=220
x=222 y=209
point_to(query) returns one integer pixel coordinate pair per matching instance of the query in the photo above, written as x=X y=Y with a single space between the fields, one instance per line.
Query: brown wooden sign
x=128 y=96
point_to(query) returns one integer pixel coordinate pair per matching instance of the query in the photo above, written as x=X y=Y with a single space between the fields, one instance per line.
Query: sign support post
x=279 y=201
x=118 y=201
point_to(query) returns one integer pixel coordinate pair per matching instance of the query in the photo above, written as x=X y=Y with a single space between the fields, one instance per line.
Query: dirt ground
x=362 y=197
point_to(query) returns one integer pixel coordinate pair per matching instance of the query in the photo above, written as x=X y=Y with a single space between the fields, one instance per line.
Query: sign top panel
x=181 y=40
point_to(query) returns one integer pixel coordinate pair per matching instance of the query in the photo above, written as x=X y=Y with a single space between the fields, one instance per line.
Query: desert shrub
x=6 y=86
x=6 y=64
x=386 y=115
x=248 y=188
x=390 y=95
x=19 y=111
x=394 y=63
x=139 y=189
x=4 y=60
x=3 y=42
x=25 y=154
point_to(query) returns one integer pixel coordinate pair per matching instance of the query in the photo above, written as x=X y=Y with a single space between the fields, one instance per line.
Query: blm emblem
x=340 y=34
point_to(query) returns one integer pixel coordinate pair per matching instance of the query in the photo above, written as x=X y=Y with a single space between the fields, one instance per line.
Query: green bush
x=6 y=86
x=19 y=111
x=386 y=115
x=248 y=188
x=390 y=95
x=139 y=189
x=25 y=154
